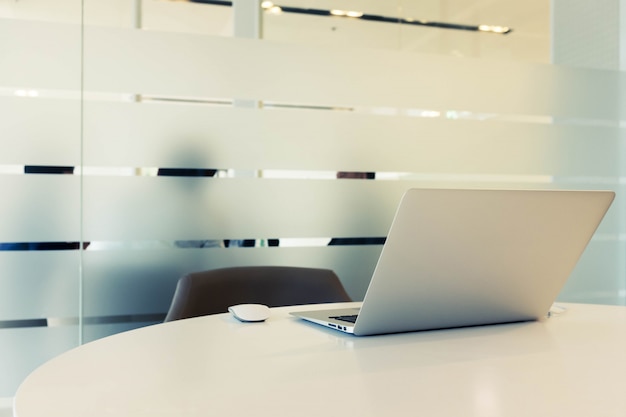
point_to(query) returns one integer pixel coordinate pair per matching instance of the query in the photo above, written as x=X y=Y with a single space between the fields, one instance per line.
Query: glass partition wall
x=141 y=140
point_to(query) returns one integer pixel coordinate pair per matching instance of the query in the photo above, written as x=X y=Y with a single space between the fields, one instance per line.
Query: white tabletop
x=573 y=364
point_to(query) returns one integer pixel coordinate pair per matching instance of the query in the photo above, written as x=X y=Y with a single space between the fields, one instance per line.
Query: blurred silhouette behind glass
x=30 y=246
x=192 y=172
x=337 y=241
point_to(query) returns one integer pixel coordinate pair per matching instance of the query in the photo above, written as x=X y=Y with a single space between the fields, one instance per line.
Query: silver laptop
x=457 y=258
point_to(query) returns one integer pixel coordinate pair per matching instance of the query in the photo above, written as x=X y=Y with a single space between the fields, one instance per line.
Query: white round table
x=573 y=364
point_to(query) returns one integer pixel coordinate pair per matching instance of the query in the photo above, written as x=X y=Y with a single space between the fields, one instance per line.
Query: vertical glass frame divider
x=81 y=248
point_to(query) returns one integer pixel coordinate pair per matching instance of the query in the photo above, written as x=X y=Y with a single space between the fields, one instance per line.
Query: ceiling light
x=430 y=113
x=349 y=13
x=267 y=5
x=354 y=14
x=494 y=29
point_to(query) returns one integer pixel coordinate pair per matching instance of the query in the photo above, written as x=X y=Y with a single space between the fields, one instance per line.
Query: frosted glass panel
x=66 y=11
x=142 y=282
x=40 y=79
x=23 y=350
x=39 y=55
x=45 y=284
x=227 y=68
x=171 y=135
x=39 y=131
x=598 y=277
x=132 y=134
x=38 y=208
x=131 y=281
x=198 y=208
x=154 y=208
x=129 y=286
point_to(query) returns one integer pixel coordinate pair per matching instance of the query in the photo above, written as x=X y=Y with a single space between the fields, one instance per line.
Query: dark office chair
x=211 y=292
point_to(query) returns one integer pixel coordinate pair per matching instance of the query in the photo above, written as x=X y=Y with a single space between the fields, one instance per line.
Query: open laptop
x=459 y=257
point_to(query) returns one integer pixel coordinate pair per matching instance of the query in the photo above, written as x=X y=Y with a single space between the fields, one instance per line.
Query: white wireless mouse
x=250 y=312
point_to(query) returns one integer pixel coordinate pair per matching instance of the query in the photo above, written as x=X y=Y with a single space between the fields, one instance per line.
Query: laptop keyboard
x=350 y=318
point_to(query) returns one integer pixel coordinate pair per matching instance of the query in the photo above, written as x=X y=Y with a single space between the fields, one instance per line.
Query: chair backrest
x=211 y=292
